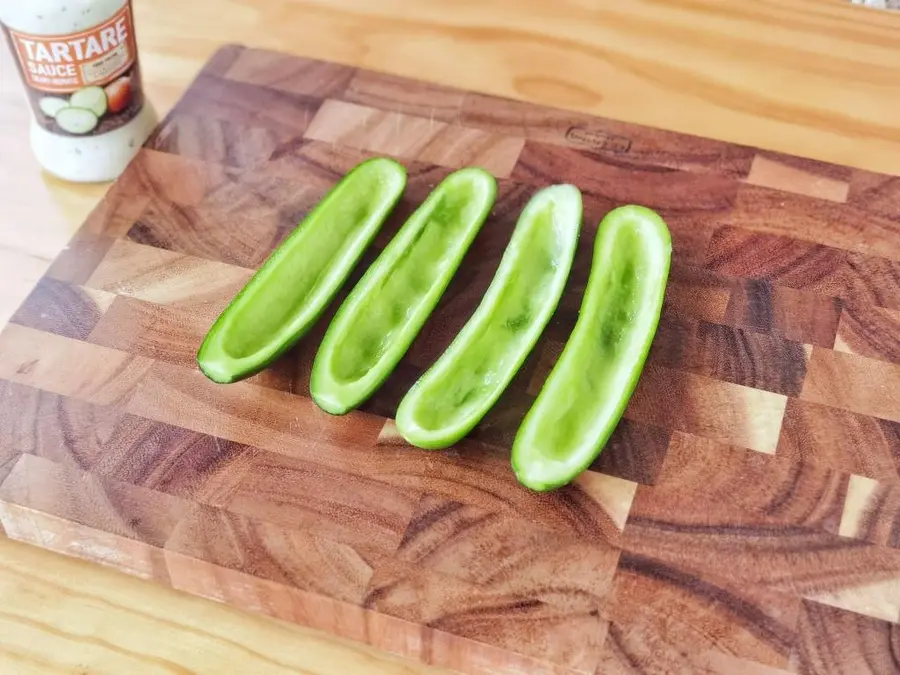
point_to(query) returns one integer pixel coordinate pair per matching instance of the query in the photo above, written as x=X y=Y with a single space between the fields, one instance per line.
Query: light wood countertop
x=808 y=77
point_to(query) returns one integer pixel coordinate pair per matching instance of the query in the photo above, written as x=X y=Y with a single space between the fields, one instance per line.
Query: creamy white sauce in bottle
x=78 y=61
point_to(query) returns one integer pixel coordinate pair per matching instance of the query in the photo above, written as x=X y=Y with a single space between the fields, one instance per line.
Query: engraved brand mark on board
x=599 y=140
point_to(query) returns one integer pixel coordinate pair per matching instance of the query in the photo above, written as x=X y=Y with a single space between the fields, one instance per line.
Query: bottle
x=78 y=61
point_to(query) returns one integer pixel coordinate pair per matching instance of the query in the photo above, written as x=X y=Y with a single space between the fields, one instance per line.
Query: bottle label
x=82 y=84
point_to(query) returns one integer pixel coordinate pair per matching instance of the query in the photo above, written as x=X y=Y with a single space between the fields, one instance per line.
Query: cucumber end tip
x=425 y=443
x=215 y=374
x=536 y=479
x=329 y=405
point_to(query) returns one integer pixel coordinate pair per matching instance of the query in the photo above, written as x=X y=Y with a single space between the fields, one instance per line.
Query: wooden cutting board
x=743 y=519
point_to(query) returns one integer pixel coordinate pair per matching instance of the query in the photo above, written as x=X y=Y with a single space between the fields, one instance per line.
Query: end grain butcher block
x=743 y=519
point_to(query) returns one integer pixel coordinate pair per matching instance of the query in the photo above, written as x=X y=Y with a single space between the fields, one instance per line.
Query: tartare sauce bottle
x=78 y=60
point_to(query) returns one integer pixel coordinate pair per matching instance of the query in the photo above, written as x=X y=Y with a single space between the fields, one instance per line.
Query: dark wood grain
x=147 y=329
x=804 y=265
x=627 y=144
x=822 y=221
x=801 y=316
x=765 y=362
x=635 y=452
x=835 y=642
x=176 y=461
x=750 y=489
x=829 y=436
x=122 y=509
x=59 y=428
x=389 y=92
x=869 y=331
x=290 y=557
x=667 y=620
x=743 y=519
x=691 y=203
x=64 y=309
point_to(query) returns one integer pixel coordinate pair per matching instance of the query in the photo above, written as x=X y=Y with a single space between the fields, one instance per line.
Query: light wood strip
x=800 y=176
x=69 y=367
x=717 y=410
x=872 y=512
x=166 y=278
x=254 y=415
x=419 y=138
x=158 y=332
x=854 y=383
x=878 y=600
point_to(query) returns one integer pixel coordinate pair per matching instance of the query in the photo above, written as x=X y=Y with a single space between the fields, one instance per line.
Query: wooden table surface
x=806 y=77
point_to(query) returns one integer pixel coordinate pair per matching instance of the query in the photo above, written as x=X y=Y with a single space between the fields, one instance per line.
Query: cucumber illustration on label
x=586 y=393
x=50 y=105
x=294 y=286
x=459 y=389
x=381 y=317
x=90 y=98
x=77 y=120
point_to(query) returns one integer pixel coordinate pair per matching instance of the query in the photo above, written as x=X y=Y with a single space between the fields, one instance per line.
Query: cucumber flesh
x=386 y=310
x=588 y=389
x=90 y=98
x=294 y=286
x=76 y=120
x=459 y=389
x=50 y=105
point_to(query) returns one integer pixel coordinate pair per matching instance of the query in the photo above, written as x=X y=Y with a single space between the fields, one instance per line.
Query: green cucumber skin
x=205 y=359
x=352 y=318
x=448 y=401
x=578 y=407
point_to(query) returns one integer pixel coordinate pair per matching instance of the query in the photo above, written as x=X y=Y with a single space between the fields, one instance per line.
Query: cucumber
x=586 y=393
x=458 y=390
x=50 y=105
x=90 y=98
x=295 y=284
x=386 y=310
x=76 y=120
